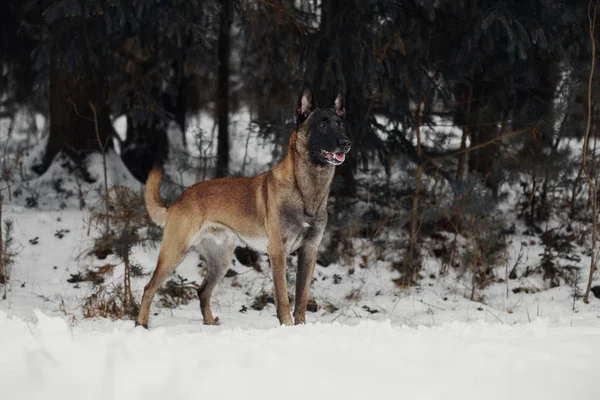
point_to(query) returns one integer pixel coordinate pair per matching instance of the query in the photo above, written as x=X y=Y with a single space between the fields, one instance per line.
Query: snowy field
x=429 y=342
x=47 y=359
x=367 y=339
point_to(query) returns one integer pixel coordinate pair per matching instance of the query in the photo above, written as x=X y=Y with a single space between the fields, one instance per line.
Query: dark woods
x=461 y=96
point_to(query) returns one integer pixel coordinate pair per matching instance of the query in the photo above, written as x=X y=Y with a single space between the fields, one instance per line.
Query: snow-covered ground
x=368 y=337
x=378 y=340
x=53 y=245
x=48 y=359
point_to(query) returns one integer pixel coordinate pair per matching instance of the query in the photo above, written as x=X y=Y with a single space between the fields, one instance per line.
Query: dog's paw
x=145 y=326
x=215 y=321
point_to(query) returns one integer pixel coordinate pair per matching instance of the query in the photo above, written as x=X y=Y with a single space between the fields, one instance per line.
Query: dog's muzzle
x=335 y=157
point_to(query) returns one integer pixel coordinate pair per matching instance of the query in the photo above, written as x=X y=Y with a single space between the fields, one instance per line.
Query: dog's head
x=322 y=130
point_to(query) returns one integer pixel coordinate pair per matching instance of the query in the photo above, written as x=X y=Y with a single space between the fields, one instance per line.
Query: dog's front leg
x=307 y=258
x=278 y=259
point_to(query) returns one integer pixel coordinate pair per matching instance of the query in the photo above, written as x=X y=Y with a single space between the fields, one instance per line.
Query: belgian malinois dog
x=279 y=212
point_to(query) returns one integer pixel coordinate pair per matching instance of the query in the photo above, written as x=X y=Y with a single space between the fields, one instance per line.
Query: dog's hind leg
x=176 y=242
x=218 y=252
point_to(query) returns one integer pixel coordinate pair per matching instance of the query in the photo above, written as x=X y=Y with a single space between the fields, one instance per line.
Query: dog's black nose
x=344 y=143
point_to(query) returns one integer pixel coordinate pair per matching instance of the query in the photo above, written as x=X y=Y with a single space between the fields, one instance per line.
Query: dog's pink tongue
x=340 y=156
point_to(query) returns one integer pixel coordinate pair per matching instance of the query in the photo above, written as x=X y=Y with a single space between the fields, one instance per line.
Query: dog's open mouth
x=333 y=158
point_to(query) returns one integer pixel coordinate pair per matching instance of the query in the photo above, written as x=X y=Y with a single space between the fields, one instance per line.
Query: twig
x=72 y=103
x=494 y=315
x=533 y=129
x=591 y=182
x=2 y=266
x=431 y=305
x=103 y=151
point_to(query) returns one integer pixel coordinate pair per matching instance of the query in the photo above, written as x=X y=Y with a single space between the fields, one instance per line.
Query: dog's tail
x=155 y=206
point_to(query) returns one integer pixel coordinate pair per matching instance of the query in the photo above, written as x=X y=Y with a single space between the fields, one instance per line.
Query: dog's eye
x=321 y=124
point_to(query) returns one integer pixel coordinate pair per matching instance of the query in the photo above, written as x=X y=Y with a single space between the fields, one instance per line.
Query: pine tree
x=139 y=58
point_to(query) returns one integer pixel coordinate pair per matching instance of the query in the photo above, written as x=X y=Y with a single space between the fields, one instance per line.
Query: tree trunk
x=329 y=70
x=462 y=158
x=533 y=198
x=189 y=87
x=481 y=161
x=72 y=129
x=223 y=91
x=347 y=169
x=145 y=147
x=592 y=180
x=412 y=258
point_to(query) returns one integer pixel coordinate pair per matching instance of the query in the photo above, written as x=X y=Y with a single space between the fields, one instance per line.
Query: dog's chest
x=298 y=227
x=294 y=239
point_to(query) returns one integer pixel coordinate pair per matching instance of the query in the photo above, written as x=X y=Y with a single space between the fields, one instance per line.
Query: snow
x=48 y=359
x=424 y=343
x=378 y=341
x=35 y=283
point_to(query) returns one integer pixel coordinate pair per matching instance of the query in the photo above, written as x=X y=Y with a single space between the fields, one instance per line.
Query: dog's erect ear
x=338 y=103
x=306 y=104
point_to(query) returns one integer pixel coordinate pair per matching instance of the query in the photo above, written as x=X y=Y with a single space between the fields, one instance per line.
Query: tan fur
x=285 y=207
x=154 y=204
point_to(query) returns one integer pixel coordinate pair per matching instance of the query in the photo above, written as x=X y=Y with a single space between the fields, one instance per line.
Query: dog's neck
x=312 y=181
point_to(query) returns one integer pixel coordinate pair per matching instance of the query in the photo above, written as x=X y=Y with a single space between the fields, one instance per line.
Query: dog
x=279 y=212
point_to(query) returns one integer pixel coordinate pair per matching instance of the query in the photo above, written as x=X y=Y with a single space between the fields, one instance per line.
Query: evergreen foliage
x=511 y=75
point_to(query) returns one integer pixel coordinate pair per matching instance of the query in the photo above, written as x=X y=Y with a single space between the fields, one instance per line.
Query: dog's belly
x=257 y=243
x=261 y=244
x=219 y=234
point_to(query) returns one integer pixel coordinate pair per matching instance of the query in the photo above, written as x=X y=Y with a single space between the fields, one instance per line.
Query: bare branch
x=591 y=182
